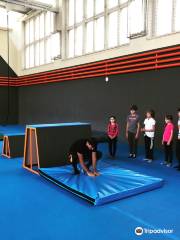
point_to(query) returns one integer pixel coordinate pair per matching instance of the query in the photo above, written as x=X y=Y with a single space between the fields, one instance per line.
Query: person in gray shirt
x=133 y=130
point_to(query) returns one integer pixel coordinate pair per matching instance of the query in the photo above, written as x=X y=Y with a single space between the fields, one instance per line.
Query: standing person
x=132 y=131
x=167 y=140
x=178 y=142
x=149 y=132
x=84 y=151
x=112 y=132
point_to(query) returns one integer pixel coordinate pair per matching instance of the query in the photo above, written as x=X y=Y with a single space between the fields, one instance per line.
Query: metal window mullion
x=74 y=26
x=106 y=25
x=173 y=15
x=29 y=43
x=34 y=39
x=84 y=28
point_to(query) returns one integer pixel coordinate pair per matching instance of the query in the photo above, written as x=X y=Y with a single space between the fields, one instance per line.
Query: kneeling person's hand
x=90 y=174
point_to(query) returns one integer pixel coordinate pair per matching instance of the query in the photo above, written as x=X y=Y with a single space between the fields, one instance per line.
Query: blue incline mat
x=113 y=184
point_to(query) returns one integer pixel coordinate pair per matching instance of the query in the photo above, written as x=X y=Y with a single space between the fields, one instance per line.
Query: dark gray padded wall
x=93 y=100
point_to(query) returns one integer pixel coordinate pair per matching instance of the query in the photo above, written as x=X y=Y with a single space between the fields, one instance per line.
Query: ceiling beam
x=31 y=4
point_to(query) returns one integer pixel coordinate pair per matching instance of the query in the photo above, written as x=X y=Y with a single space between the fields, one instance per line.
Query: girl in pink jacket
x=112 y=132
x=167 y=140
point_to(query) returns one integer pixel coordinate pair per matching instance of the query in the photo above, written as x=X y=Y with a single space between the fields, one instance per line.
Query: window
x=42 y=43
x=37 y=54
x=89 y=37
x=99 y=34
x=113 y=29
x=136 y=14
x=71 y=43
x=95 y=25
x=123 y=26
x=79 y=41
x=112 y=3
x=89 y=8
x=177 y=18
x=79 y=11
x=3 y=17
x=99 y=6
x=164 y=17
x=71 y=13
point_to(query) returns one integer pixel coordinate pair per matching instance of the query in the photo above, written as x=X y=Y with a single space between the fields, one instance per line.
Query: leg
x=146 y=147
x=74 y=163
x=166 y=152
x=110 y=143
x=170 y=150
x=135 y=144
x=178 y=152
x=130 y=141
x=151 y=149
x=114 y=146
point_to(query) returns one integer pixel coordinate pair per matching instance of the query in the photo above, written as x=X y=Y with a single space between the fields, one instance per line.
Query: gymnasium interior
x=66 y=68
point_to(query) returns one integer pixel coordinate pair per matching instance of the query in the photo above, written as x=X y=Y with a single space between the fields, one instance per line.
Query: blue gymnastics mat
x=113 y=184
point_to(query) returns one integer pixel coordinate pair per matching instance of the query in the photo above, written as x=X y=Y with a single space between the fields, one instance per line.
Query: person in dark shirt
x=85 y=152
x=132 y=131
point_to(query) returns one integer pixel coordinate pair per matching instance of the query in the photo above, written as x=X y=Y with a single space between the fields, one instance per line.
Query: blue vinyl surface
x=114 y=183
x=14 y=134
x=57 y=125
x=12 y=130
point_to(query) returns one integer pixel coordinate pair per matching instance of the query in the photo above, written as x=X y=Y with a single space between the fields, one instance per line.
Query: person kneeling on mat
x=85 y=152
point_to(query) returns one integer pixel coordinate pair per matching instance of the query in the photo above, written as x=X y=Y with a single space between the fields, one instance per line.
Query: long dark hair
x=169 y=117
x=112 y=116
x=152 y=112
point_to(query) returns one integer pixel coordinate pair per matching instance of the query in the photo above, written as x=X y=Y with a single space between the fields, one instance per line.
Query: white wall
x=15 y=43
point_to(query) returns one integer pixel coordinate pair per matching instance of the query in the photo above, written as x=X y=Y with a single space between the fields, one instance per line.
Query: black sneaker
x=177 y=166
x=130 y=155
x=134 y=156
x=76 y=172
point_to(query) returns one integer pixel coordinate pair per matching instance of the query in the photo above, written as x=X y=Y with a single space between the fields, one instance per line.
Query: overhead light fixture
x=106 y=79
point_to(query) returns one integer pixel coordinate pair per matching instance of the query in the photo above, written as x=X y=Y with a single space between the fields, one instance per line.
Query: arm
x=127 y=126
x=94 y=161
x=138 y=129
x=171 y=137
x=108 y=131
x=150 y=130
x=81 y=161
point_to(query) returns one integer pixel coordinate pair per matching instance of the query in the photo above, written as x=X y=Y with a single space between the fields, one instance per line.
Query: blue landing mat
x=113 y=184
x=12 y=130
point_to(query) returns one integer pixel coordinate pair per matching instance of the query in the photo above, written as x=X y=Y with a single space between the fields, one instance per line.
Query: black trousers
x=149 y=147
x=132 y=143
x=87 y=159
x=168 y=152
x=178 y=150
x=112 y=146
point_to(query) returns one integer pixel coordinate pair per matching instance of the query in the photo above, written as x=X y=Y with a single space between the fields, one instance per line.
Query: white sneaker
x=163 y=163
x=169 y=165
x=150 y=161
x=145 y=159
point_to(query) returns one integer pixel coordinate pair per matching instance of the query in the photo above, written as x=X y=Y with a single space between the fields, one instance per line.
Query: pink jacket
x=113 y=130
x=167 y=132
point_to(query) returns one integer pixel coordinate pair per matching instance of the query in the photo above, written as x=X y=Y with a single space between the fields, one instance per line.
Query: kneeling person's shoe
x=76 y=172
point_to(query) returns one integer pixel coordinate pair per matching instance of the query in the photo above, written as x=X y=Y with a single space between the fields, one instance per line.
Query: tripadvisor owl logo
x=139 y=231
